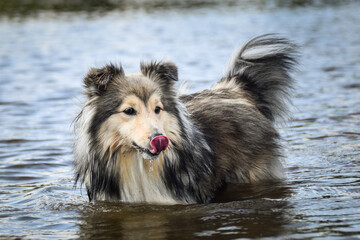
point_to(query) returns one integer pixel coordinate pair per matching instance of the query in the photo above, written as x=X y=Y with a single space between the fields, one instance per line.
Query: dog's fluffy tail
x=261 y=68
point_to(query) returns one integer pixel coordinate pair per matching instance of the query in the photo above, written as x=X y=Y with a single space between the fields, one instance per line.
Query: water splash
x=151 y=168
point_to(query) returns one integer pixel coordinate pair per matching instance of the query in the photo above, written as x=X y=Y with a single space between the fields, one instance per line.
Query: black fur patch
x=104 y=109
x=105 y=178
x=192 y=177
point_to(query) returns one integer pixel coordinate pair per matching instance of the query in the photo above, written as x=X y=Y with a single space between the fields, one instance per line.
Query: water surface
x=44 y=56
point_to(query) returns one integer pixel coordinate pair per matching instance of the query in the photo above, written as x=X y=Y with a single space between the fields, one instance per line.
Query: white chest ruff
x=143 y=184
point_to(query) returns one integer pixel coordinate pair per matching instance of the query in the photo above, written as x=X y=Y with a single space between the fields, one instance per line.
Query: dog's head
x=135 y=112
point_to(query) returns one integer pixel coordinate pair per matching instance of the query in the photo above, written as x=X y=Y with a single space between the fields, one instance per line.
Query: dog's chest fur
x=141 y=181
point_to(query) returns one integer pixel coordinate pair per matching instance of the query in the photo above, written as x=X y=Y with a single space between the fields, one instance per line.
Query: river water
x=44 y=56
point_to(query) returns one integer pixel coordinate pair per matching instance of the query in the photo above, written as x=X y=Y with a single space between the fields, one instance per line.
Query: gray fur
x=262 y=67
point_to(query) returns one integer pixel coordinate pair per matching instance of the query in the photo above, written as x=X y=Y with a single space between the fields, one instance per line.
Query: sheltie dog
x=137 y=140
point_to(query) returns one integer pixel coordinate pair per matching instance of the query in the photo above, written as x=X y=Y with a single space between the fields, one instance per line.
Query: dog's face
x=133 y=112
x=141 y=123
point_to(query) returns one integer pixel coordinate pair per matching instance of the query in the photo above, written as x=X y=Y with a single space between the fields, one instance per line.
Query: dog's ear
x=165 y=73
x=98 y=79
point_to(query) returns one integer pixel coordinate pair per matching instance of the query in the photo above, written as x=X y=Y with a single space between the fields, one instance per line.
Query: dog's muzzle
x=158 y=143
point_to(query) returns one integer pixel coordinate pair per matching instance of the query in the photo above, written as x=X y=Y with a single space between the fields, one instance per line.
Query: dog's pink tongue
x=159 y=143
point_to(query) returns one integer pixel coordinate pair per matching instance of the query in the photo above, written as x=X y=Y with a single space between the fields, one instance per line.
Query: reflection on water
x=42 y=62
x=264 y=213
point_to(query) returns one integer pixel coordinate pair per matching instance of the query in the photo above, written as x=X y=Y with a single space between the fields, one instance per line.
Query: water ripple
x=44 y=58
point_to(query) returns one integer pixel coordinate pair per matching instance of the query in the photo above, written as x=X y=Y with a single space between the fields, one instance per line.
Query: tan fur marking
x=232 y=84
x=239 y=94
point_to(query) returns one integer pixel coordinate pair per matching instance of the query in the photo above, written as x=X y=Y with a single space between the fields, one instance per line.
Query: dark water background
x=46 y=47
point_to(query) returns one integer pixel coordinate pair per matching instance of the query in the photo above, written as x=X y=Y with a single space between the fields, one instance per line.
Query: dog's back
x=238 y=113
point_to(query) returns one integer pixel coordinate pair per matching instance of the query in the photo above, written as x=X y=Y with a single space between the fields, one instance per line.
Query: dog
x=138 y=140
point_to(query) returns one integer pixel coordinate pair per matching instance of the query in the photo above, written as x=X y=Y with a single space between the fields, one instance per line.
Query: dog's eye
x=157 y=110
x=130 y=111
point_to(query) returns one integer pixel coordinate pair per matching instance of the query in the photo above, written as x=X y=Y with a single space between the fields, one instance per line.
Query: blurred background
x=46 y=48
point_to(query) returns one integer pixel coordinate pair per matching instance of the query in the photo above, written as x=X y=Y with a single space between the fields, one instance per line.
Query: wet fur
x=221 y=135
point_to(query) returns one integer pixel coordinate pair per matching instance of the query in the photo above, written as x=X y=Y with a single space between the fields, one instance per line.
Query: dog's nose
x=152 y=136
x=158 y=143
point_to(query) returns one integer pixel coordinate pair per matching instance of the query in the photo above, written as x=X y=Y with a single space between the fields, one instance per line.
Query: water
x=44 y=55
